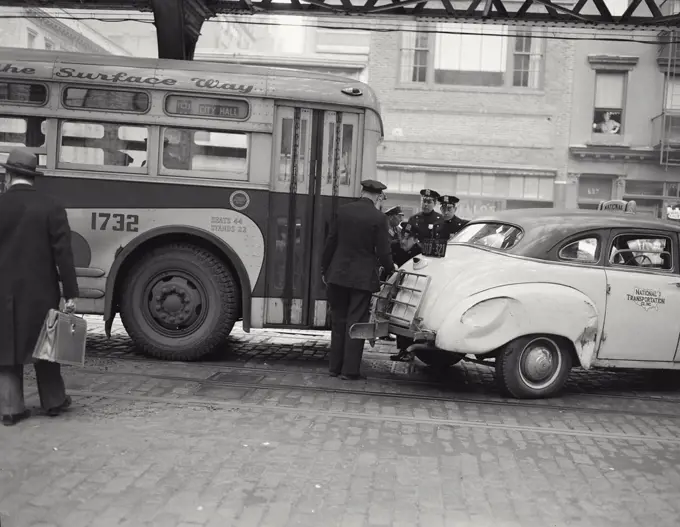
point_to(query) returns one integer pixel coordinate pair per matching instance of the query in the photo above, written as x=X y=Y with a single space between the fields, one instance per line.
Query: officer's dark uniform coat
x=424 y=224
x=444 y=229
x=35 y=241
x=358 y=244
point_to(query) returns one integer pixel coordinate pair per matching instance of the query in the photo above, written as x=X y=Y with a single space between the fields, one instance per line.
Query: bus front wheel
x=179 y=302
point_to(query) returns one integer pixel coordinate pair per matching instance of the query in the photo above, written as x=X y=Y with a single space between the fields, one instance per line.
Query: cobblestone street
x=262 y=437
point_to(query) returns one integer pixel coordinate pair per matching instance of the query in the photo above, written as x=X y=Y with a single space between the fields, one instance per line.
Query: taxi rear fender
x=488 y=320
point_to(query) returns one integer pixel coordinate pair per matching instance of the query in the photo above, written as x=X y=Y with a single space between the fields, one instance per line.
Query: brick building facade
x=485 y=117
x=625 y=131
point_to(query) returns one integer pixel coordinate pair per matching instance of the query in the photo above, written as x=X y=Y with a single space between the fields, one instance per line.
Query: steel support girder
x=650 y=14
x=578 y=13
x=178 y=26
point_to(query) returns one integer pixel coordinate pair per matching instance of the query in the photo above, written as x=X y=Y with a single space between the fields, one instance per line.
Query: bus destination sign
x=207 y=107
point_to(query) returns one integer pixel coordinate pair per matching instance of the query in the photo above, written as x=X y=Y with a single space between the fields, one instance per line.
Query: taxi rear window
x=495 y=235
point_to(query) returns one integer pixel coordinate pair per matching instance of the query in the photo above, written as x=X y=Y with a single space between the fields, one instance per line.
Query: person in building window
x=449 y=224
x=608 y=125
x=35 y=243
x=423 y=222
x=357 y=246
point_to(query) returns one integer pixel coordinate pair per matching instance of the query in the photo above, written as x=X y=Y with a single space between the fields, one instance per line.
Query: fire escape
x=666 y=126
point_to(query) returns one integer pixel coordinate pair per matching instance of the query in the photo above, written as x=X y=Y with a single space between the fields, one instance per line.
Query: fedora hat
x=23 y=162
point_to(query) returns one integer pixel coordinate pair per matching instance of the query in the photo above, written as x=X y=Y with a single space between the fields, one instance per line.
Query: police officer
x=394 y=218
x=358 y=244
x=407 y=247
x=423 y=222
x=449 y=224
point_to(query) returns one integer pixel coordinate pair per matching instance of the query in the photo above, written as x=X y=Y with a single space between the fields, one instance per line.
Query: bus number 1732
x=102 y=221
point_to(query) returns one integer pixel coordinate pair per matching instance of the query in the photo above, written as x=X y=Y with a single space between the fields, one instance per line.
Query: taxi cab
x=539 y=291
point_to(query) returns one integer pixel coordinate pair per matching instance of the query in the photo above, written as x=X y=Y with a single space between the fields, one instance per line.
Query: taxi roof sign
x=618 y=205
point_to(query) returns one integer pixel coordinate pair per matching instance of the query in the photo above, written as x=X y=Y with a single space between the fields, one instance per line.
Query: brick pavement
x=148 y=444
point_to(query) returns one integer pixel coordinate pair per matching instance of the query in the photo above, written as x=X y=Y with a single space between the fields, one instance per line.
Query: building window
x=473 y=55
x=527 y=59
x=31 y=39
x=672 y=93
x=594 y=189
x=609 y=102
x=48 y=44
x=414 y=57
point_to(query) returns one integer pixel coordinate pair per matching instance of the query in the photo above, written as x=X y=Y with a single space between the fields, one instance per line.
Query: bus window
x=205 y=151
x=23 y=131
x=102 y=99
x=103 y=145
x=286 y=155
x=18 y=93
x=348 y=160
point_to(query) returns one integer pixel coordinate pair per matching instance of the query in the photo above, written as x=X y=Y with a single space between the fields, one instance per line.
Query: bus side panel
x=106 y=215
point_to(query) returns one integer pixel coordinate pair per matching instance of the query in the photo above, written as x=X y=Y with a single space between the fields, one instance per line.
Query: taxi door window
x=642 y=251
x=585 y=250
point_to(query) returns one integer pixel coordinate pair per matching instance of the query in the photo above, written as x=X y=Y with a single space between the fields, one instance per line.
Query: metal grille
x=399 y=302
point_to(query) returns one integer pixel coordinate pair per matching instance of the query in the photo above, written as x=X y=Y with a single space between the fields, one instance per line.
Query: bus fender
x=182 y=230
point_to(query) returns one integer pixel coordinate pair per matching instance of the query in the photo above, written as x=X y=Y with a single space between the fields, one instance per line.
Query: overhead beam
x=647 y=14
x=178 y=26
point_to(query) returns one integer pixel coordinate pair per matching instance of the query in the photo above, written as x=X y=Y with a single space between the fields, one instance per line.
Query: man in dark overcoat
x=35 y=242
x=357 y=246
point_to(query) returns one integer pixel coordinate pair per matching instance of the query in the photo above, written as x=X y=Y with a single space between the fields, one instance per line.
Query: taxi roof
x=546 y=228
x=576 y=220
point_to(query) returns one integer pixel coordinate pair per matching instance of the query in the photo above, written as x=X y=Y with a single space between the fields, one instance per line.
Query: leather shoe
x=12 y=419
x=54 y=412
x=358 y=377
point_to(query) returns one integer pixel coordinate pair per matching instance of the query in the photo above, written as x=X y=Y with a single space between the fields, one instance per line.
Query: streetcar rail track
x=673 y=399
x=433 y=421
x=496 y=401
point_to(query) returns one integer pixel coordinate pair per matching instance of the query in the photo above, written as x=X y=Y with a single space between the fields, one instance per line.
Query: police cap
x=394 y=211
x=408 y=230
x=448 y=200
x=371 y=185
x=429 y=193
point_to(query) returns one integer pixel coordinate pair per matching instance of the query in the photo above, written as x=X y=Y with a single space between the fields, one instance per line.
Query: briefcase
x=62 y=339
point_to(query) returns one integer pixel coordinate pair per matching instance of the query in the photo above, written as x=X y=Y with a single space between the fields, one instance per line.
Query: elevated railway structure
x=178 y=22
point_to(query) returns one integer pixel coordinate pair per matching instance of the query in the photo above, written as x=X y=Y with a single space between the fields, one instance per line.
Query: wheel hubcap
x=175 y=303
x=540 y=363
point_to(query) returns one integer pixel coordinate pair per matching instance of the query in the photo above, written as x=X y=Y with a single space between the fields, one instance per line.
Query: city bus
x=198 y=193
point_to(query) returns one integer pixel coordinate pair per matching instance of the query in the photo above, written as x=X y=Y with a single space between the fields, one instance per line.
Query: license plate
x=434 y=247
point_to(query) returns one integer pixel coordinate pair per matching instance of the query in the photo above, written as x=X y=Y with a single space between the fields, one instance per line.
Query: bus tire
x=179 y=302
x=534 y=367
x=438 y=359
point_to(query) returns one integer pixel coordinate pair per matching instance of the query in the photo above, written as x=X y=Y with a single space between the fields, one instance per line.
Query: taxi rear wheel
x=534 y=367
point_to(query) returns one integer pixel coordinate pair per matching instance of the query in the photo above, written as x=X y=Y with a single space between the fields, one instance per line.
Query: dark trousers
x=348 y=306
x=50 y=387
